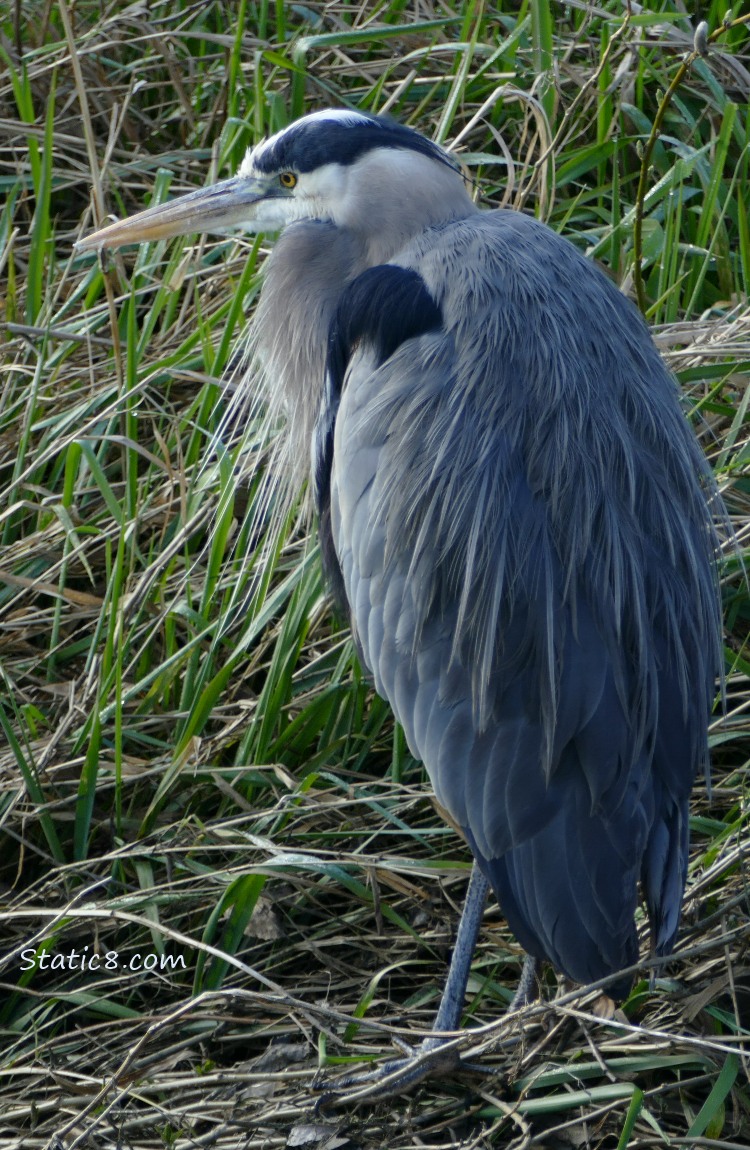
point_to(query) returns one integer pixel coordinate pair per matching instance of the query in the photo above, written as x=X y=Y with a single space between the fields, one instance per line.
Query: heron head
x=363 y=172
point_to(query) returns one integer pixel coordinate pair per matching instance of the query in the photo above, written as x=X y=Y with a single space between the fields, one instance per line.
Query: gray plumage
x=520 y=512
x=513 y=511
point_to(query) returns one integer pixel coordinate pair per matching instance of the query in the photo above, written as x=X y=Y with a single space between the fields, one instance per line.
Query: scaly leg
x=432 y=1057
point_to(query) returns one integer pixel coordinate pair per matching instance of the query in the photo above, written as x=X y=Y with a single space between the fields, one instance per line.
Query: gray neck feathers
x=304 y=276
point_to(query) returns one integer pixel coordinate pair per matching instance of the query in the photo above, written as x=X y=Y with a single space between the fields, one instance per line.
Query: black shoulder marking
x=383 y=307
x=322 y=461
x=311 y=143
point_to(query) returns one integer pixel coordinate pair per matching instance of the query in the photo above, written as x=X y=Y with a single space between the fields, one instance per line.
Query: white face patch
x=272 y=215
x=317 y=195
x=247 y=167
x=320 y=194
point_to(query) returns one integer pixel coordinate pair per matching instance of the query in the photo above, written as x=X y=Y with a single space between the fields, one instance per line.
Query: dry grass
x=191 y=766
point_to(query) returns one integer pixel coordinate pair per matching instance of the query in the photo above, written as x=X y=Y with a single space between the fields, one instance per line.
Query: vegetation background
x=194 y=773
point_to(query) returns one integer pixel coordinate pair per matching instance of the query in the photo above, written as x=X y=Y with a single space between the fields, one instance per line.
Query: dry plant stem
x=616 y=36
x=98 y=194
x=640 y=199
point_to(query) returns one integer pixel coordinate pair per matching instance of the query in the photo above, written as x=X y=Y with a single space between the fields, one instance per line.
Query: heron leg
x=525 y=989
x=454 y=993
x=435 y=1054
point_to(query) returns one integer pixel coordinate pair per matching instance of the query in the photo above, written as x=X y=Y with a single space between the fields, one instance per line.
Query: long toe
x=434 y=1058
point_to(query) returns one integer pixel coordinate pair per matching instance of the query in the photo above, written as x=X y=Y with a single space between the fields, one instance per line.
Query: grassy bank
x=195 y=776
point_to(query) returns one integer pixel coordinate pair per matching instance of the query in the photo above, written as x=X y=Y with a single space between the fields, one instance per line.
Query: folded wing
x=520 y=522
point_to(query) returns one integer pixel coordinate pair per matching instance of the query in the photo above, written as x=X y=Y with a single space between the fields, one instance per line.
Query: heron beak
x=228 y=204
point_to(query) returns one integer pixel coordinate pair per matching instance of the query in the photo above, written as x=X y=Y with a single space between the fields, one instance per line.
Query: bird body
x=513 y=512
x=517 y=512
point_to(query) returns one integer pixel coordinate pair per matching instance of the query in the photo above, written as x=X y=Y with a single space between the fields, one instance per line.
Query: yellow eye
x=288 y=180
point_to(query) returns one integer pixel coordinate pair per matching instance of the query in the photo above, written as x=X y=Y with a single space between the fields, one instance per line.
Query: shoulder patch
x=382 y=307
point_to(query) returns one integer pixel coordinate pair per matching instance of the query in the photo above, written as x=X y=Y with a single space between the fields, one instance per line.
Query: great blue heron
x=513 y=512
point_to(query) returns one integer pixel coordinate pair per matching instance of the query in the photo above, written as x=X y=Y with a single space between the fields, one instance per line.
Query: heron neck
x=304 y=275
x=393 y=196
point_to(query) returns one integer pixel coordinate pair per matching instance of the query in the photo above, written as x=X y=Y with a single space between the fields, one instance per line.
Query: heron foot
x=434 y=1058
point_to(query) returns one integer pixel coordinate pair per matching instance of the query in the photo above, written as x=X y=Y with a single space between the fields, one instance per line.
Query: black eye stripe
x=309 y=144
